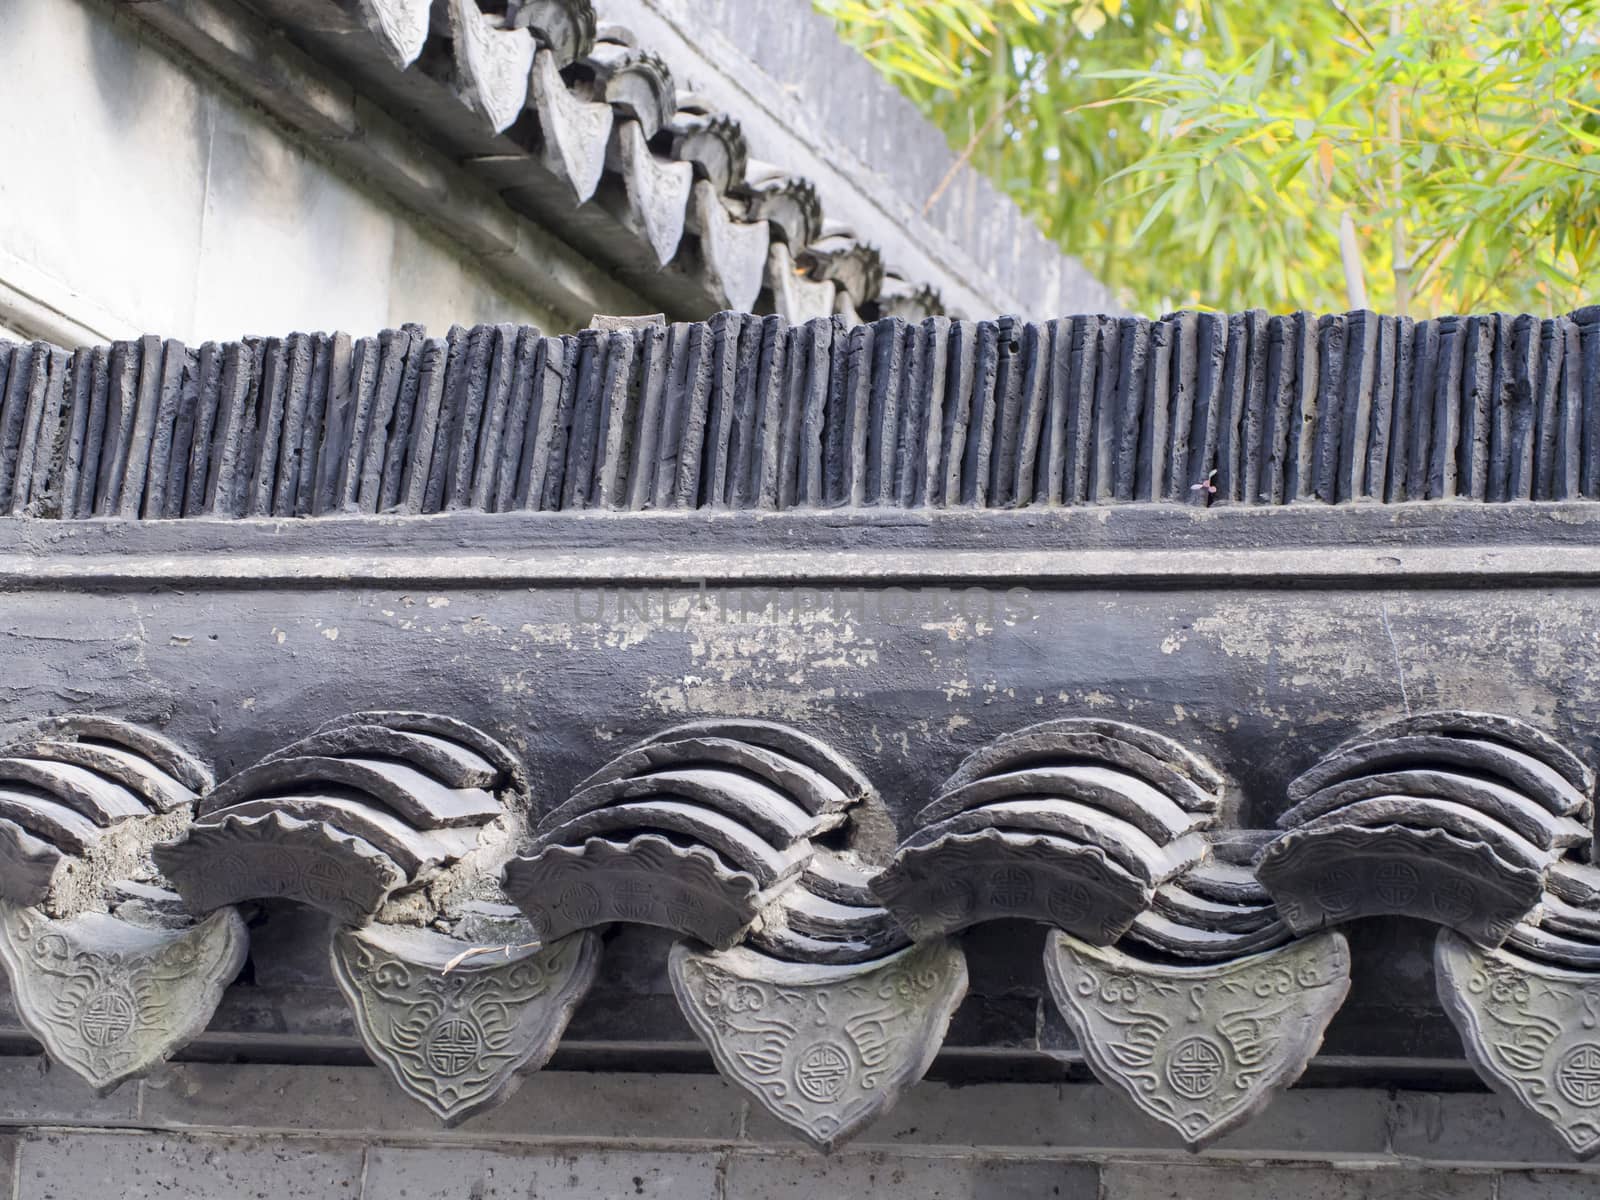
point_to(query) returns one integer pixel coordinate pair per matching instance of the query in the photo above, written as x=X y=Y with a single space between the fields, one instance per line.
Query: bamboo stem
x=1355 y=279
x=1399 y=250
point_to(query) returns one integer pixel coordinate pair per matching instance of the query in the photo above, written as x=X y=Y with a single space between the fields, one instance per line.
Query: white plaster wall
x=136 y=197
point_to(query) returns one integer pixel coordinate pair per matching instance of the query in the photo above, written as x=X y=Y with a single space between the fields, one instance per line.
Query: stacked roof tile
x=754 y=412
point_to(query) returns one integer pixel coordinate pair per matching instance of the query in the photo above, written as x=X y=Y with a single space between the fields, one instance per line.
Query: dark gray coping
x=1443 y=545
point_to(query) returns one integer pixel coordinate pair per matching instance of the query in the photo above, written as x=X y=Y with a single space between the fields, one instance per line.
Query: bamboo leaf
x=1168 y=140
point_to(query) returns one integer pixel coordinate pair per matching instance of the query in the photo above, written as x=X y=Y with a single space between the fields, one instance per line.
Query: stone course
x=244 y=1131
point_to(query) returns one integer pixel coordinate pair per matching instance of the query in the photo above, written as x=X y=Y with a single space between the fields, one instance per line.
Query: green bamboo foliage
x=1419 y=157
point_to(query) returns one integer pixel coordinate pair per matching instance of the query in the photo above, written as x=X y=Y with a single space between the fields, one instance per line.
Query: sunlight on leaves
x=1204 y=152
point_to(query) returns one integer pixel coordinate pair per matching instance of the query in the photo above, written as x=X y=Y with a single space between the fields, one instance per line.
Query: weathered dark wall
x=1260 y=637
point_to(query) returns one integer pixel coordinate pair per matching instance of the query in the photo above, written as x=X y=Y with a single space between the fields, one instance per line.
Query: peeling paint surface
x=1264 y=682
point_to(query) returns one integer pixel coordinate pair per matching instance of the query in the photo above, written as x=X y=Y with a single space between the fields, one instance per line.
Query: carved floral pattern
x=400 y=25
x=735 y=252
x=1200 y=1049
x=455 y=1039
x=576 y=131
x=1532 y=1032
x=657 y=193
x=494 y=64
x=110 y=1000
x=824 y=1049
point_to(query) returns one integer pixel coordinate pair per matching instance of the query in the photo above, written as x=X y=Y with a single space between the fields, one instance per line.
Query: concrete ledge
x=704 y=1114
x=1469 y=545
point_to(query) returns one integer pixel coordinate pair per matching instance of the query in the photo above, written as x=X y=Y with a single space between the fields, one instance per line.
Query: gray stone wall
x=222 y=1132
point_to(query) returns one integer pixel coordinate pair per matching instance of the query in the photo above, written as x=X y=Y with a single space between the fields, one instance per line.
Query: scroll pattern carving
x=455 y=1038
x=1531 y=1030
x=401 y=27
x=576 y=131
x=1200 y=1049
x=824 y=1049
x=106 y=969
x=735 y=251
x=821 y=979
x=111 y=1000
x=657 y=192
x=494 y=63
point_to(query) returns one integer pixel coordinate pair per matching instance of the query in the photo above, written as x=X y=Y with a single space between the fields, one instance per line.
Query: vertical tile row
x=744 y=411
